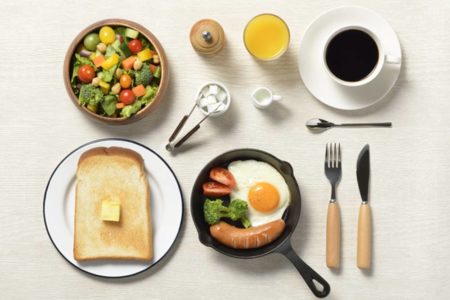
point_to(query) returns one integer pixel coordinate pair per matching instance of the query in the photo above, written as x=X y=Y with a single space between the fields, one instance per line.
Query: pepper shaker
x=207 y=37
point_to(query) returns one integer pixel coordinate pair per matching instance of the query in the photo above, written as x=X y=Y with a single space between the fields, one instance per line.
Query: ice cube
x=205 y=101
x=213 y=89
x=222 y=96
x=205 y=91
x=212 y=99
x=215 y=107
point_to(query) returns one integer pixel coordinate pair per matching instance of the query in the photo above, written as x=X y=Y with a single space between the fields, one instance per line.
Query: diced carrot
x=128 y=63
x=139 y=90
x=98 y=60
x=120 y=105
x=153 y=68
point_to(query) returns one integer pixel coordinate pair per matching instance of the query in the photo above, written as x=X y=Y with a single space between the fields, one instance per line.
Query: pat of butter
x=110 y=211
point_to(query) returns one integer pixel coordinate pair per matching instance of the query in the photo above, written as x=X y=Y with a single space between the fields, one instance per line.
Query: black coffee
x=351 y=55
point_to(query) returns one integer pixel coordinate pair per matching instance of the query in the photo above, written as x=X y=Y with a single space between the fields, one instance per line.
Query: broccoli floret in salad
x=90 y=95
x=143 y=76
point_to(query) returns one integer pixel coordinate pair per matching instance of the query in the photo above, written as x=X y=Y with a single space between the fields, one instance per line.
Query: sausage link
x=248 y=238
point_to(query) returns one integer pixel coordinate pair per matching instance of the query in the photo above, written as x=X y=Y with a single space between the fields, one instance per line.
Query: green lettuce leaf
x=131 y=109
x=109 y=104
x=157 y=73
x=150 y=93
x=107 y=75
x=109 y=51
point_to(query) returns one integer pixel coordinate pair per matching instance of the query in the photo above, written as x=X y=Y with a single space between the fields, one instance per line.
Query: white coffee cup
x=263 y=97
x=383 y=58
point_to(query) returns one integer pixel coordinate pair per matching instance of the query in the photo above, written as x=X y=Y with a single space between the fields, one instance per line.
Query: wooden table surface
x=410 y=162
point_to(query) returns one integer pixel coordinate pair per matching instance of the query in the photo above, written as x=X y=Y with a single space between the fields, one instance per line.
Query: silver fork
x=333 y=171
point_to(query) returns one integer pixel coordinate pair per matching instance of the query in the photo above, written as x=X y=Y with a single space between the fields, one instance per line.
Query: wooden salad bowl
x=163 y=64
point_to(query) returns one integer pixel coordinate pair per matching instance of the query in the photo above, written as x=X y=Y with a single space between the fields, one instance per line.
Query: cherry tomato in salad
x=125 y=81
x=107 y=35
x=127 y=97
x=135 y=46
x=223 y=176
x=86 y=73
x=91 y=41
x=215 y=189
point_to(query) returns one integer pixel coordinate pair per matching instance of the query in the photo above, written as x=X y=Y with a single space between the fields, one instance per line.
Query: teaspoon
x=320 y=125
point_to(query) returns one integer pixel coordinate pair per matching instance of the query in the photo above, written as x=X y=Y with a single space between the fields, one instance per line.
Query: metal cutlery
x=364 y=243
x=320 y=125
x=333 y=171
x=171 y=146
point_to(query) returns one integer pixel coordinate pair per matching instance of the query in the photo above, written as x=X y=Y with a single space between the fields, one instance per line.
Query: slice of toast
x=112 y=174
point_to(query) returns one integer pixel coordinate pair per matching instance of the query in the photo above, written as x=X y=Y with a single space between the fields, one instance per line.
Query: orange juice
x=266 y=37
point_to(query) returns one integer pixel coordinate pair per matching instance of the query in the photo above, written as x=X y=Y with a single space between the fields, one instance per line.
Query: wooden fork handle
x=364 y=247
x=333 y=243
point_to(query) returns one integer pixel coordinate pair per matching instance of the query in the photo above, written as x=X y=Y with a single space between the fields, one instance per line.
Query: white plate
x=313 y=70
x=166 y=206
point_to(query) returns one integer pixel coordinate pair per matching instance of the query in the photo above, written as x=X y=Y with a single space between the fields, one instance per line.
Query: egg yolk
x=263 y=197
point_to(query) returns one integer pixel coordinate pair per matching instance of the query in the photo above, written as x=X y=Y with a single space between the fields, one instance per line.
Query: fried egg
x=262 y=187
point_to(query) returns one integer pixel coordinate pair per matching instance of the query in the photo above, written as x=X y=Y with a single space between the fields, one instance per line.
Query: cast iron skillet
x=283 y=244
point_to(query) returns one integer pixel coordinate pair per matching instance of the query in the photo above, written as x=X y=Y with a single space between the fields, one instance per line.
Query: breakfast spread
x=115 y=72
x=259 y=197
x=112 y=207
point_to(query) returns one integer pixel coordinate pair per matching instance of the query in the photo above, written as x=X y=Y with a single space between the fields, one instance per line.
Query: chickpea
x=137 y=64
x=155 y=59
x=118 y=73
x=95 y=81
x=101 y=47
x=115 y=89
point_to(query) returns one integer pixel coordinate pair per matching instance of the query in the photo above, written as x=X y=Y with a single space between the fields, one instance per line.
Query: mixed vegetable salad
x=115 y=72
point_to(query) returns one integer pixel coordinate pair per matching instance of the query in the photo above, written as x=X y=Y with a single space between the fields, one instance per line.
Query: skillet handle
x=312 y=279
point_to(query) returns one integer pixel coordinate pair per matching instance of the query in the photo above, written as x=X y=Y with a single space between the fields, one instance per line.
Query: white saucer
x=313 y=70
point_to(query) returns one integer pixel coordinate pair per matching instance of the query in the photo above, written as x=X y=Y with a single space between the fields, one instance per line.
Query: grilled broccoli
x=143 y=76
x=214 y=210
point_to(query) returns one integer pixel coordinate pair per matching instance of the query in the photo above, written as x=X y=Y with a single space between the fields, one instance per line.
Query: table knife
x=364 y=243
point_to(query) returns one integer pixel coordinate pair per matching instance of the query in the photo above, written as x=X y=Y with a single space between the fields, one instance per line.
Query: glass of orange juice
x=266 y=37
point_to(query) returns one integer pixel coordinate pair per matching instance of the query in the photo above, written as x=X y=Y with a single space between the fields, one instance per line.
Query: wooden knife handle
x=333 y=236
x=364 y=248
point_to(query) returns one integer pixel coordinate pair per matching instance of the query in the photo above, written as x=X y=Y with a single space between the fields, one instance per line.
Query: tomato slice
x=215 y=189
x=223 y=176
